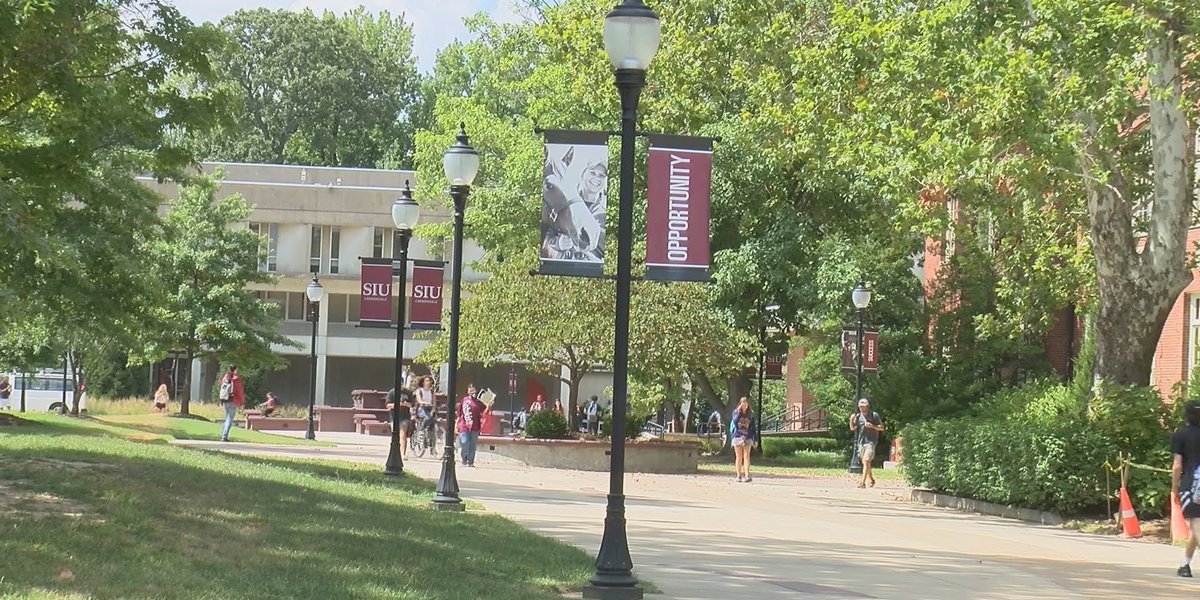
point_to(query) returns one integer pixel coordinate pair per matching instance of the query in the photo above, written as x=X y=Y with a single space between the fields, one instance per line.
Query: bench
x=376 y=428
x=261 y=423
x=361 y=418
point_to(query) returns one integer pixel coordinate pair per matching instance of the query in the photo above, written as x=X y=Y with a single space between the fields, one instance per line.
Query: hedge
x=547 y=424
x=1049 y=466
x=777 y=446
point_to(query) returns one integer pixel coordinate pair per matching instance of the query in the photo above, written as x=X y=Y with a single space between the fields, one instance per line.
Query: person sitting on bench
x=268 y=407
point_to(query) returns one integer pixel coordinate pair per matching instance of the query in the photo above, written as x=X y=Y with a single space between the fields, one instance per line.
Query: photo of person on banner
x=574 y=198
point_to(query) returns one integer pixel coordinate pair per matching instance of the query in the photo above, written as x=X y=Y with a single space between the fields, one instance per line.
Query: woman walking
x=743 y=431
x=161 y=398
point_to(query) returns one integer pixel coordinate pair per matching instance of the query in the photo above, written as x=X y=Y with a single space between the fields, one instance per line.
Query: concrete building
x=322 y=220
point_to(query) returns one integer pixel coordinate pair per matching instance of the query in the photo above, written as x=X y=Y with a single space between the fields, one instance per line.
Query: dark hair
x=1191 y=412
x=595 y=397
x=233 y=368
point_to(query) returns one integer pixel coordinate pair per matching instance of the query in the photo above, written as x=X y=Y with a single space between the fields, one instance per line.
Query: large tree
x=322 y=90
x=86 y=105
x=204 y=258
x=1052 y=128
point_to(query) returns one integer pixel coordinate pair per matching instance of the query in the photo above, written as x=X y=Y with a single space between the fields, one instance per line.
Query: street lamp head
x=405 y=210
x=314 y=291
x=461 y=161
x=631 y=35
x=861 y=295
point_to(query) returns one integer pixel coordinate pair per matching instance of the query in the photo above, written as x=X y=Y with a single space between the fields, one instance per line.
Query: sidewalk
x=707 y=537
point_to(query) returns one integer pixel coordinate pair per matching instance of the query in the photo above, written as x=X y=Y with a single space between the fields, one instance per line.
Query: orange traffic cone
x=1179 y=526
x=1129 y=520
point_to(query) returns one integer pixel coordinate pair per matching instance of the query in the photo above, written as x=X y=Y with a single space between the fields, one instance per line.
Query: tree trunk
x=185 y=398
x=1137 y=289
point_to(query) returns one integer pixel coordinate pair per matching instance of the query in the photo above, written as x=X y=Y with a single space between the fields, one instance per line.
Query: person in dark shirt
x=1185 y=479
x=402 y=416
x=865 y=425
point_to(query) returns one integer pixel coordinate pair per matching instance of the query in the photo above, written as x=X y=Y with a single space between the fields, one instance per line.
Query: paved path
x=708 y=537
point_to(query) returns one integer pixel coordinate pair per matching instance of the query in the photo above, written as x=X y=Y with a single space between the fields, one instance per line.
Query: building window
x=1193 y=337
x=335 y=243
x=279 y=299
x=337 y=307
x=268 y=247
x=382 y=246
x=314 y=250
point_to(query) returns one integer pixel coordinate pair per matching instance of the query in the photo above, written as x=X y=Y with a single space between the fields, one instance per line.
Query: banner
x=678 y=178
x=425 y=308
x=850 y=348
x=774 y=366
x=574 y=198
x=375 y=307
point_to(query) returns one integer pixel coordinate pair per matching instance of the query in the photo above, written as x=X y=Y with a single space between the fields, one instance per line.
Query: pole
x=395 y=459
x=66 y=367
x=447 y=497
x=314 y=313
x=614 y=566
x=762 y=367
x=855 y=465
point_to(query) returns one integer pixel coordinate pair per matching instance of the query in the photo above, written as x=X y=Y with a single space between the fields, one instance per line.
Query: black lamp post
x=314 y=292
x=861 y=296
x=405 y=213
x=631 y=36
x=461 y=164
x=762 y=368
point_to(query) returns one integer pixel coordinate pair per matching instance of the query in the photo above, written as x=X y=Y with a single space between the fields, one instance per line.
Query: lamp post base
x=447 y=504
x=612 y=593
x=447 y=485
x=394 y=465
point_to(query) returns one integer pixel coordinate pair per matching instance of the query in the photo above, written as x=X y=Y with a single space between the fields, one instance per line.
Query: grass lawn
x=87 y=512
x=194 y=429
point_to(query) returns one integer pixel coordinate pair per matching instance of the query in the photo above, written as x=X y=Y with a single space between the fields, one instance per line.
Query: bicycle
x=423 y=440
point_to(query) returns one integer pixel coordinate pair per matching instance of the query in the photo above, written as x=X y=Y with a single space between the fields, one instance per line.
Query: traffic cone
x=1129 y=520
x=1179 y=526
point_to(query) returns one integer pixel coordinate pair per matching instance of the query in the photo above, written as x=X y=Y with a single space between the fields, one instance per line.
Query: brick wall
x=1171 y=356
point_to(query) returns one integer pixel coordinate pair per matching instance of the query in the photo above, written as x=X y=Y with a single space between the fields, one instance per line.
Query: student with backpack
x=232 y=396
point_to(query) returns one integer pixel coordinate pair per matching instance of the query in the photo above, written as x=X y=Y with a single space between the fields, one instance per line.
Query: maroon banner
x=774 y=367
x=678 y=179
x=375 y=308
x=425 y=309
x=850 y=348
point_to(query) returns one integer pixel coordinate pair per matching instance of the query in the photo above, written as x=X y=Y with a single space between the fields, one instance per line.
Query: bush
x=775 y=446
x=1050 y=466
x=547 y=424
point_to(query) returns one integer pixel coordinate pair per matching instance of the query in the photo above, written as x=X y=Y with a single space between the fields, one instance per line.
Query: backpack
x=226 y=389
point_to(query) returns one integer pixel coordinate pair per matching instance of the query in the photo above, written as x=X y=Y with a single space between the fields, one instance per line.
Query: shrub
x=547 y=424
x=775 y=446
x=1050 y=466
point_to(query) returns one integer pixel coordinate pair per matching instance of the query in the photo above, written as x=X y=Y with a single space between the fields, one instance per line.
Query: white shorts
x=740 y=442
x=866 y=452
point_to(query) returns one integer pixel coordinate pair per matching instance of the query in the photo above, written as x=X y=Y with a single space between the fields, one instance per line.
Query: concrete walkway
x=708 y=537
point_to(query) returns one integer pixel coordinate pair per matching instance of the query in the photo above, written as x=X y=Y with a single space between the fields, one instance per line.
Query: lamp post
x=631 y=36
x=461 y=164
x=314 y=293
x=770 y=309
x=405 y=213
x=861 y=296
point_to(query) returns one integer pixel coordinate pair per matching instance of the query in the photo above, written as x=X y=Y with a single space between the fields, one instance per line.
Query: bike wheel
x=418 y=444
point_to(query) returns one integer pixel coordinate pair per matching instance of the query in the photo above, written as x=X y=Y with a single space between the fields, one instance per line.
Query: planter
x=594 y=455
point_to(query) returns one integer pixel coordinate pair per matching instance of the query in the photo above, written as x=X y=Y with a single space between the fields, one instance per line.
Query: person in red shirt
x=470 y=422
x=232 y=396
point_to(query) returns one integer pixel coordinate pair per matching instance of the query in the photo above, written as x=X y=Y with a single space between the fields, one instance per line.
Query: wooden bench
x=376 y=428
x=261 y=423
x=361 y=418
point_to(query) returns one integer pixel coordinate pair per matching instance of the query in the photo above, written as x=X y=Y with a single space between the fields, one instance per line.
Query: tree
x=328 y=90
x=86 y=105
x=1071 y=118
x=204 y=260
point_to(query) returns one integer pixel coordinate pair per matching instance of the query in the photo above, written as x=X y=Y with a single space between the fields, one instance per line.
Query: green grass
x=87 y=513
x=789 y=466
x=193 y=429
x=142 y=406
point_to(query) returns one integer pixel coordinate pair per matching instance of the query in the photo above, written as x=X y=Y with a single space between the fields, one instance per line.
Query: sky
x=435 y=22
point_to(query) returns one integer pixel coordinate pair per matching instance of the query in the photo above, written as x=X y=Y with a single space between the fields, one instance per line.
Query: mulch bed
x=11 y=420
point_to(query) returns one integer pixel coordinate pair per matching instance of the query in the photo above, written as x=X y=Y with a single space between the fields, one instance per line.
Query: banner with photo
x=678 y=181
x=574 y=198
x=375 y=290
x=425 y=306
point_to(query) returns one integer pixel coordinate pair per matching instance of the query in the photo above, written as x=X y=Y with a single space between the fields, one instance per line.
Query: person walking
x=592 y=412
x=743 y=431
x=232 y=396
x=161 y=398
x=470 y=422
x=404 y=413
x=1185 y=479
x=865 y=426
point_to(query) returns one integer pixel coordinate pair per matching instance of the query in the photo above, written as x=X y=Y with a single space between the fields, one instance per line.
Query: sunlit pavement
x=707 y=536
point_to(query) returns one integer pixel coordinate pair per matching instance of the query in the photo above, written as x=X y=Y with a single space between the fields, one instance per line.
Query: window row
x=324 y=246
x=293 y=306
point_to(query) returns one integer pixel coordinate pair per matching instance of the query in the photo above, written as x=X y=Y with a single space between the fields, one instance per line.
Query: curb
x=986 y=508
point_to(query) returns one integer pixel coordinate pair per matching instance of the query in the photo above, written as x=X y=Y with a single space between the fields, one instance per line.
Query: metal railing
x=793 y=418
